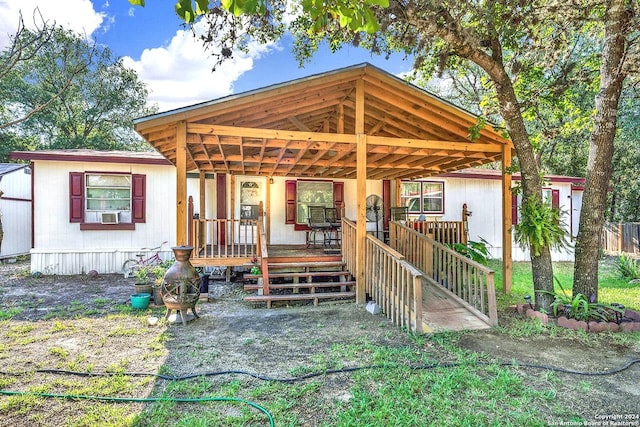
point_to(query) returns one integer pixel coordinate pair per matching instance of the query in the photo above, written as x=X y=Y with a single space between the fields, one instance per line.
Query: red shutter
x=76 y=197
x=338 y=196
x=555 y=199
x=290 y=200
x=514 y=209
x=138 y=192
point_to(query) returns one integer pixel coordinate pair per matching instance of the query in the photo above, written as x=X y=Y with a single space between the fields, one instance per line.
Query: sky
x=166 y=56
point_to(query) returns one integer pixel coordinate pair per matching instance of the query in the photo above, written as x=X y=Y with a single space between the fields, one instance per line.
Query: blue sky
x=174 y=65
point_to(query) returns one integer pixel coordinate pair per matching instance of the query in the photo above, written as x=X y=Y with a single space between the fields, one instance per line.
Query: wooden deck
x=444 y=311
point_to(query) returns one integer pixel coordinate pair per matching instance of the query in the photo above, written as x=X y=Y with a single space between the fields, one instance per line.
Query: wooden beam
x=507 y=261
x=287 y=135
x=181 y=183
x=361 y=186
x=435 y=145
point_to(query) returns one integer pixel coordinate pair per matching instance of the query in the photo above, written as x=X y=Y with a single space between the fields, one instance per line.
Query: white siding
x=16 y=214
x=483 y=199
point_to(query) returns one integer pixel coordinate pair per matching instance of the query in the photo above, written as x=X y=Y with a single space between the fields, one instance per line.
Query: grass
x=611 y=288
x=390 y=390
x=467 y=394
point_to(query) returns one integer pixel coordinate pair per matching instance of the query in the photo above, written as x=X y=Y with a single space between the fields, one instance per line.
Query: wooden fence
x=621 y=238
x=468 y=280
x=390 y=280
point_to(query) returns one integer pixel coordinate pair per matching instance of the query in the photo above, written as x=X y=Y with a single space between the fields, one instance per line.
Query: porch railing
x=447 y=232
x=263 y=252
x=231 y=240
x=468 y=280
x=390 y=280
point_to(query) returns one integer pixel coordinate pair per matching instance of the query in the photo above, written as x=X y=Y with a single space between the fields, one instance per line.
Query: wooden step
x=299 y=297
x=301 y=274
x=303 y=285
x=318 y=264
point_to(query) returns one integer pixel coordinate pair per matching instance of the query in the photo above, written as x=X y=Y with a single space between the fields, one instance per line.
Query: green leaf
x=185 y=11
x=202 y=6
x=137 y=2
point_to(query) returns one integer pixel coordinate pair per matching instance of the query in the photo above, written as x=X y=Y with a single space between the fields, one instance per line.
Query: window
x=312 y=193
x=108 y=193
x=302 y=193
x=423 y=197
x=106 y=200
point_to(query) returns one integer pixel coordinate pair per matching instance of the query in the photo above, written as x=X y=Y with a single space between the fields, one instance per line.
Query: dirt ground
x=74 y=313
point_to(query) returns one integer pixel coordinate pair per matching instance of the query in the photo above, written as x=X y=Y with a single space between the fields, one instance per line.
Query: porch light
x=527 y=299
x=619 y=313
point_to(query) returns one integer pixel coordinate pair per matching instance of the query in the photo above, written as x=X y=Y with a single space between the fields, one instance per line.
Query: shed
x=15 y=209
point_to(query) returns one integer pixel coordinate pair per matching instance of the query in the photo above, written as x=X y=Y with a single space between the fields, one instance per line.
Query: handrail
x=389 y=279
x=394 y=284
x=470 y=281
x=349 y=244
x=263 y=253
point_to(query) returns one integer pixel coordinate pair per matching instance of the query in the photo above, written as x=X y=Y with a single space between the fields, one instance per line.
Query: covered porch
x=356 y=127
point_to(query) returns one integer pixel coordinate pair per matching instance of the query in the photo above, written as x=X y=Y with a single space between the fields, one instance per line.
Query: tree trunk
x=612 y=76
x=541 y=266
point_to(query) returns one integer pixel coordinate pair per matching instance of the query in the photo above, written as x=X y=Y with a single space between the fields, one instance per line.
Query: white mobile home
x=93 y=210
x=15 y=209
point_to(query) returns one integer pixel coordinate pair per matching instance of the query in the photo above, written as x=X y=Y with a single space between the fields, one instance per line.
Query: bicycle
x=130 y=266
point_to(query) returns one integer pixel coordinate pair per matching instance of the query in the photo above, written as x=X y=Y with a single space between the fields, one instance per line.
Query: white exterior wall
x=16 y=214
x=62 y=248
x=484 y=199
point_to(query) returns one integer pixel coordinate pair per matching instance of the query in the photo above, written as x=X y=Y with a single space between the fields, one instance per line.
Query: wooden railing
x=231 y=240
x=447 y=232
x=468 y=280
x=349 y=244
x=263 y=253
x=392 y=282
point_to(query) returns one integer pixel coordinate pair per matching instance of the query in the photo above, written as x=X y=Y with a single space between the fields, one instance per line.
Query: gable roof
x=309 y=127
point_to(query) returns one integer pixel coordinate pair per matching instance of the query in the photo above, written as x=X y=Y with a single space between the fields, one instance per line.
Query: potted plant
x=158 y=274
x=142 y=283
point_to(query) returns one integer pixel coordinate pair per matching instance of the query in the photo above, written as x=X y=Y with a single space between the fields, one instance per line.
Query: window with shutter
x=107 y=200
x=299 y=195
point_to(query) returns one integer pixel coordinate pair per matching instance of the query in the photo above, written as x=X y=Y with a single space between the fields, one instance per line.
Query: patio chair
x=400 y=213
x=335 y=225
x=317 y=224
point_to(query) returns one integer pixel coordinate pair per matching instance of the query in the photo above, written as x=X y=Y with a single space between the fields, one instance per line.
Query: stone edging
x=564 y=322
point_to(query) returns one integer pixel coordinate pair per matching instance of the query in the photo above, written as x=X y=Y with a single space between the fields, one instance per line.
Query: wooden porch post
x=181 y=183
x=361 y=186
x=506 y=221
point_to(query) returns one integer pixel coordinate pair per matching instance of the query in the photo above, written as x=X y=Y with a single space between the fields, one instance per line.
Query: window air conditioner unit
x=109 y=217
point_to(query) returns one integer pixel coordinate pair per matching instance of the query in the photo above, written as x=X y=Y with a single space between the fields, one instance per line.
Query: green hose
x=145 y=400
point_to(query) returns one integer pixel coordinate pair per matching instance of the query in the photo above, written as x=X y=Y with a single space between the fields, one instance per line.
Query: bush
x=627 y=267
